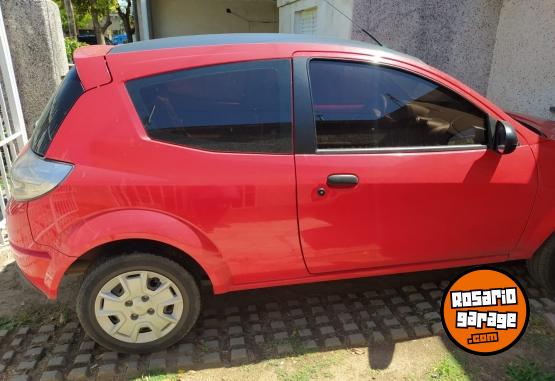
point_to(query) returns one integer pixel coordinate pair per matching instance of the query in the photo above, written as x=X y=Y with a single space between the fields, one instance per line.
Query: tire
x=155 y=325
x=542 y=265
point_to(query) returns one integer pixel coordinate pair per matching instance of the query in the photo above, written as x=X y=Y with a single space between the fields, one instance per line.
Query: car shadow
x=248 y=327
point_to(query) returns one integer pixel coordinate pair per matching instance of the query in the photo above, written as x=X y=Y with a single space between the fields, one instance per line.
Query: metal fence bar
x=7 y=140
x=13 y=134
x=8 y=76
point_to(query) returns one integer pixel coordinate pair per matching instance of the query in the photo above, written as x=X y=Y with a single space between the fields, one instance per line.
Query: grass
x=538 y=324
x=203 y=348
x=36 y=316
x=297 y=344
x=294 y=340
x=448 y=369
x=526 y=370
x=539 y=336
x=310 y=369
x=159 y=376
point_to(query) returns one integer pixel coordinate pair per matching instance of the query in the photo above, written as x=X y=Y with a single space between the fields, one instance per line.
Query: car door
x=393 y=169
x=222 y=135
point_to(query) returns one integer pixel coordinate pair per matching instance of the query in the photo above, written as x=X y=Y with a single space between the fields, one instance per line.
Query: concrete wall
x=454 y=36
x=178 y=17
x=523 y=70
x=36 y=40
x=329 y=22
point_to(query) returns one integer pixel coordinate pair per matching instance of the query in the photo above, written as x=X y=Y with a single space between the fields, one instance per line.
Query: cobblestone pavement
x=250 y=326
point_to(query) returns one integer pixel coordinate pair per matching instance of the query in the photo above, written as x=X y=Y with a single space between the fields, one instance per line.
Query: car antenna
x=355 y=24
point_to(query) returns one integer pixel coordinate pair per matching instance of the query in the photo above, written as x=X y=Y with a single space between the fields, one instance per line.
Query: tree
x=100 y=15
x=81 y=19
x=124 y=8
x=72 y=28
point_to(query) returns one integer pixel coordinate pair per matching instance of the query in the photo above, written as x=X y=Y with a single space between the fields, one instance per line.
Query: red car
x=264 y=160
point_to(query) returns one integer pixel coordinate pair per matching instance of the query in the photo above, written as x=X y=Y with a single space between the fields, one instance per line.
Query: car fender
x=119 y=225
x=539 y=230
x=541 y=224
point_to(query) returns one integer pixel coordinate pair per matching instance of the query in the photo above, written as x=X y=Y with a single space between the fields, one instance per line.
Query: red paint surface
x=546 y=127
x=411 y=208
x=239 y=215
x=90 y=62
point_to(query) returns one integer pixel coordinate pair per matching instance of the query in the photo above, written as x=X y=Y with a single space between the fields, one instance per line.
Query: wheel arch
x=132 y=245
x=136 y=230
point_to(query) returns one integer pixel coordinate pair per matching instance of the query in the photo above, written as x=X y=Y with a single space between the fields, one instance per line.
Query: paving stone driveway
x=250 y=326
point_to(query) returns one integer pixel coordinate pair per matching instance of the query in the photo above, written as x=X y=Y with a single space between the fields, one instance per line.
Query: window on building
x=240 y=107
x=305 y=21
x=359 y=105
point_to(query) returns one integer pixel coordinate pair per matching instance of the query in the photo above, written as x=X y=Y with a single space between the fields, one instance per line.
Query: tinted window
x=241 y=107
x=359 y=105
x=55 y=112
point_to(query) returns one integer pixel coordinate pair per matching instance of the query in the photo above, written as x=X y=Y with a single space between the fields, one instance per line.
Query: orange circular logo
x=485 y=311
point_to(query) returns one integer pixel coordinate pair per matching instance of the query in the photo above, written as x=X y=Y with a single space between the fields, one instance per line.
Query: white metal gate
x=12 y=125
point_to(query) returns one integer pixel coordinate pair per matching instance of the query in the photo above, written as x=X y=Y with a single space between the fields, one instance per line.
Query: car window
x=358 y=105
x=239 y=107
x=55 y=112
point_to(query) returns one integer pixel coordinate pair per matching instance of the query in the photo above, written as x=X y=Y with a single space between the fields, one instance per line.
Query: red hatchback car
x=263 y=160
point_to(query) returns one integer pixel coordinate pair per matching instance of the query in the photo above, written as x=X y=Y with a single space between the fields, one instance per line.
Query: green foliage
x=35 y=316
x=82 y=20
x=71 y=45
x=525 y=370
x=449 y=369
x=311 y=368
x=100 y=13
x=102 y=7
x=158 y=376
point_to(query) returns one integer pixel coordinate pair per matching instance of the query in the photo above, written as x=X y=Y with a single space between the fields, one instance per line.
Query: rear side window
x=239 y=107
x=358 y=106
x=55 y=112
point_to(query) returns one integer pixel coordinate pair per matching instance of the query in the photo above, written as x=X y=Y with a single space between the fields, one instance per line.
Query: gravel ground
x=389 y=320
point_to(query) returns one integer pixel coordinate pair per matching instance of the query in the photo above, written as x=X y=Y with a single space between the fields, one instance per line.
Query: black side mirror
x=505 y=140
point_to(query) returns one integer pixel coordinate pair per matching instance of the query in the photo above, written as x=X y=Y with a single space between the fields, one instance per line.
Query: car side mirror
x=505 y=140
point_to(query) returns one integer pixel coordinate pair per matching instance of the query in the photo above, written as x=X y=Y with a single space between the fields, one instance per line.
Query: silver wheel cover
x=138 y=306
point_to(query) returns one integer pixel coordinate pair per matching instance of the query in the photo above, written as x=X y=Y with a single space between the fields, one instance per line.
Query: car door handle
x=342 y=180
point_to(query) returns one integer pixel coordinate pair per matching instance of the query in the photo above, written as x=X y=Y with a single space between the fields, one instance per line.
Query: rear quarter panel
x=235 y=214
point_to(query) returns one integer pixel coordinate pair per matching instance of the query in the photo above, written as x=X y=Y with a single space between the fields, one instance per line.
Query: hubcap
x=138 y=306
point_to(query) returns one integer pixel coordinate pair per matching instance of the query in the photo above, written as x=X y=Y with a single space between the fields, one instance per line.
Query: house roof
x=244 y=38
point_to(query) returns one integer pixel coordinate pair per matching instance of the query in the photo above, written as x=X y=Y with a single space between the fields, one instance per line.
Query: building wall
x=178 y=17
x=523 y=70
x=36 y=41
x=329 y=21
x=504 y=49
x=454 y=36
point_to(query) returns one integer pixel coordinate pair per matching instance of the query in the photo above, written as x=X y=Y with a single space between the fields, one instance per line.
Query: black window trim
x=47 y=130
x=305 y=126
x=441 y=148
x=216 y=64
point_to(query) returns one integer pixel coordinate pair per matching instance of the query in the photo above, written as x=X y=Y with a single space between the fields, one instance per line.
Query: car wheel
x=542 y=265
x=138 y=303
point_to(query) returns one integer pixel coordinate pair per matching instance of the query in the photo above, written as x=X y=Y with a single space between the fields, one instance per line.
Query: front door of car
x=393 y=169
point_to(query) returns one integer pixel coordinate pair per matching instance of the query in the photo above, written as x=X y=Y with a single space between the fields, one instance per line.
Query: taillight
x=33 y=176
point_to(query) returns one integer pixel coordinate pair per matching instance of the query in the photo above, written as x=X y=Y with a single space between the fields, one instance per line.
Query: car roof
x=245 y=38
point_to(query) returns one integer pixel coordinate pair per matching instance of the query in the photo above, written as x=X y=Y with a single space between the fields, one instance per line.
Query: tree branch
x=106 y=24
x=120 y=11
